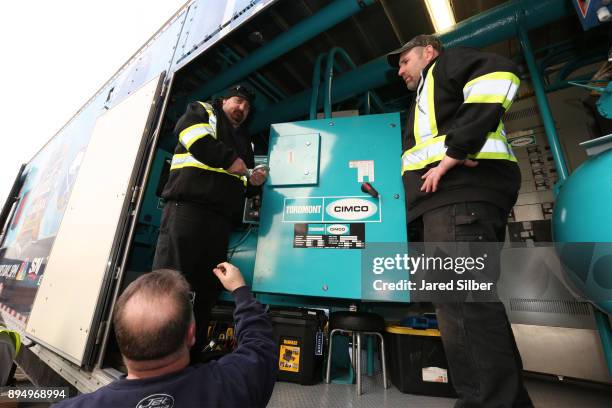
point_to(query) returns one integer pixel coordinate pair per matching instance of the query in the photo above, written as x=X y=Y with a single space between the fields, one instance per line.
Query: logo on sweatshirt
x=156 y=401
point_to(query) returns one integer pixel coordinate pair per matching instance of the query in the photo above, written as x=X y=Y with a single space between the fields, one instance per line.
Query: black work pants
x=193 y=240
x=484 y=362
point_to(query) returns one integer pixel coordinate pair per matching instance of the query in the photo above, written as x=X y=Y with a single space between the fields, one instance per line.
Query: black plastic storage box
x=299 y=336
x=418 y=363
x=220 y=332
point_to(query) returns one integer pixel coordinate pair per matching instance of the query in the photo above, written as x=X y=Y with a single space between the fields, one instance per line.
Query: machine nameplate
x=332 y=209
x=337 y=236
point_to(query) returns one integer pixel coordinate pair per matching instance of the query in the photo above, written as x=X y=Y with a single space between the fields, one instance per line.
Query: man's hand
x=258 y=177
x=433 y=175
x=230 y=276
x=238 y=167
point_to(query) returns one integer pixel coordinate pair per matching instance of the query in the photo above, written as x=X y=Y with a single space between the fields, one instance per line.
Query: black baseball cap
x=242 y=91
x=422 y=40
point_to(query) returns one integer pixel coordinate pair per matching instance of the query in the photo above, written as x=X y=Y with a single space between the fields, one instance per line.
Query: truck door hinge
x=135 y=194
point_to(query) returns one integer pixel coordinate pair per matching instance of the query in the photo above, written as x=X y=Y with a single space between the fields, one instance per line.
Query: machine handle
x=368 y=189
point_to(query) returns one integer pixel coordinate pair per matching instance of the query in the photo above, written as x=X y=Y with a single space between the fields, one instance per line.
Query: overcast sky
x=55 y=55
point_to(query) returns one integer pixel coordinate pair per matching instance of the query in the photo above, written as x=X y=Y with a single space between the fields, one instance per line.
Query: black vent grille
x=521 y=114
x=550 y=306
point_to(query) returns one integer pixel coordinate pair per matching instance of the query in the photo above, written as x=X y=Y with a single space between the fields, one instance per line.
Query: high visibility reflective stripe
x=494 y=148
x=494 y=155
x=190 y=135
x=425 y=126
x=431 y=110
x=419 y=157
x=433 y=150
x=182 y=160
x=14 y=336
x=496 y=87
x=212 y=118
x=486 y=99
x=501 y=75
x=193 y=133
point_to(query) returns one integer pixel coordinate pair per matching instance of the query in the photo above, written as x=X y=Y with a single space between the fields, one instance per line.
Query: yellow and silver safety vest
x=14 y=337
x=496 y=87
x=193 y=133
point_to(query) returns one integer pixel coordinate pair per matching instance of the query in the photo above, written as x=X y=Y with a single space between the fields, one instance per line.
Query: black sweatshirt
x=466 y=127
x=243 y=378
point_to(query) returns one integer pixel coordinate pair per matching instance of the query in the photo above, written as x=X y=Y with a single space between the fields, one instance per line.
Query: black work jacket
x=465 y=126
x=218 y=190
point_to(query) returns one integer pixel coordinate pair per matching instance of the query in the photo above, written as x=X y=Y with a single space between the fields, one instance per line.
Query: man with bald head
x=155 y=330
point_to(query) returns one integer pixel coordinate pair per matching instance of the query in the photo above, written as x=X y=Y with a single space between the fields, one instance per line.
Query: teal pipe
x=605 y=334
x=367 y=105
x=553 y=53
x=305 y=30
x=332 y=64
x=371 y=98
x=487 y=28
x=558 y=85
x=559 y=46
x=547 y=118
x=344 y=87
x=581 y=61
x=378 y=102
x=553 y=59
x=499 y=23
x=253 y=82
x=316 y=81
x=329 y=76
x=279 y=95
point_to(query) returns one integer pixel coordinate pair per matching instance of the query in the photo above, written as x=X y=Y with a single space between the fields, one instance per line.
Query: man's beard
x=237 y=116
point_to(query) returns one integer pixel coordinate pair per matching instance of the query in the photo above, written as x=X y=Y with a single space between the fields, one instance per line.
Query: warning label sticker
x=289 y=358
x=435 y=374
x=337 y=236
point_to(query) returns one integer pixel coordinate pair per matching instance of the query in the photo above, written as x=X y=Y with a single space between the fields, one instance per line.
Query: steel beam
x=487 y=28
x=305 y=30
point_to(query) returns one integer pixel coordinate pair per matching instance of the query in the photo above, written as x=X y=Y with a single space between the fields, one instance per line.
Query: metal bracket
x=135 y=194
x=117 y=273
x=584 y=84
x=101 y=330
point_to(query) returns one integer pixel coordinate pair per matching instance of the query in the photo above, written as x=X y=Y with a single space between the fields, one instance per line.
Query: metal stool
x=358 y=324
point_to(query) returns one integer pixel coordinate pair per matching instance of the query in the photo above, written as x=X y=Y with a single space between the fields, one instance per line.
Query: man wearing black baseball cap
x=461 y=179
x=204 y=195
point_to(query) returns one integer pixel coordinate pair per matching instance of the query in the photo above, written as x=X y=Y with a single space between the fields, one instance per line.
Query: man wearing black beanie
x=204 y=195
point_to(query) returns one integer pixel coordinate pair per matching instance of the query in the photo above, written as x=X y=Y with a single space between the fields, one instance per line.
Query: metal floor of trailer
x=545 y=392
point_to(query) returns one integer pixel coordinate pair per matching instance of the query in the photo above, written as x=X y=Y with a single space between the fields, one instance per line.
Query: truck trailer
x=82 y=218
